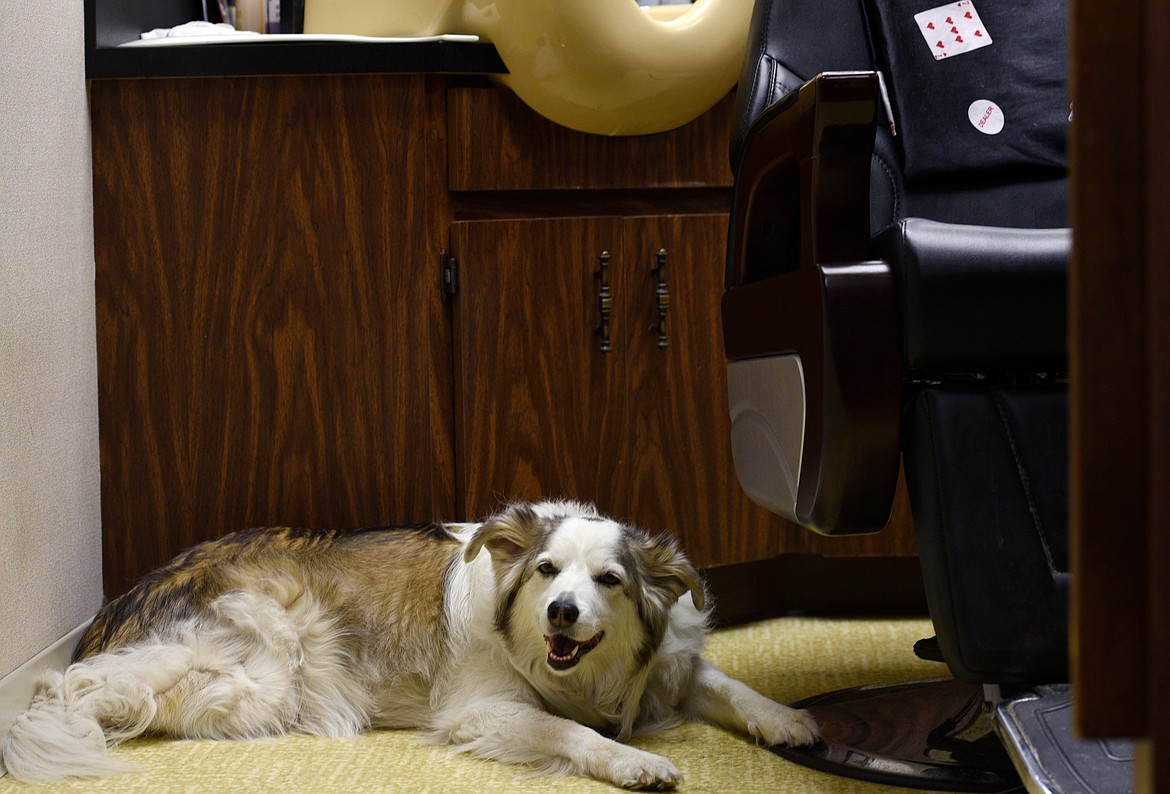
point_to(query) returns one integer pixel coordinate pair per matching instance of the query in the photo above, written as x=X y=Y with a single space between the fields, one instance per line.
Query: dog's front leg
x=717 y=698
x=520 y=733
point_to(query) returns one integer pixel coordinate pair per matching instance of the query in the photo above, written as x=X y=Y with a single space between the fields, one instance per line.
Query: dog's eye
x=609 y=579
x=546 y=569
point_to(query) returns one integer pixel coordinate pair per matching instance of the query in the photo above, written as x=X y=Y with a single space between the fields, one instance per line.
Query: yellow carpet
x=785 y=658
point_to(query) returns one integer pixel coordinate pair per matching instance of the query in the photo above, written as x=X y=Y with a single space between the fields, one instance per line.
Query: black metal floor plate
x=933 y=735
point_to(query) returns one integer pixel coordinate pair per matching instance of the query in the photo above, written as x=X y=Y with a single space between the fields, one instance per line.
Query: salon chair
x=896 y=295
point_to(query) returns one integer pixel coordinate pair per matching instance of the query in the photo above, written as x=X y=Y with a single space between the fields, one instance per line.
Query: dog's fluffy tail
x=77 y=714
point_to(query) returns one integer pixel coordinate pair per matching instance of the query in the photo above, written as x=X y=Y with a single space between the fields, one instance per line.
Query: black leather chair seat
x=977 y=298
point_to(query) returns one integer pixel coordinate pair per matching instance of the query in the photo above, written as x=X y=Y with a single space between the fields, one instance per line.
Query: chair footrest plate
x=1037 y=730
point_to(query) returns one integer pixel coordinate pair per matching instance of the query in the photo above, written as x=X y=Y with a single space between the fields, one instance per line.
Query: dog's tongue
x=562 y=645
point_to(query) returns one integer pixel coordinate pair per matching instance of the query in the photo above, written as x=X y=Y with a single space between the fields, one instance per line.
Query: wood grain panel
x=539 y=412
x=681 y=475
x=499 y=143
x=1108 y=395
x=1155 y=770
x=1120 y=396
x=273 y=347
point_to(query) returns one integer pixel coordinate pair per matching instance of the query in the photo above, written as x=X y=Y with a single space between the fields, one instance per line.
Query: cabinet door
x=539 y=406
x=681 y=476
x=272 y=343
x=643 y=430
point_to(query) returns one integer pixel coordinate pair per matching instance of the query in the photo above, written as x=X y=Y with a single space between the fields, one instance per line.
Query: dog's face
x=578 y=592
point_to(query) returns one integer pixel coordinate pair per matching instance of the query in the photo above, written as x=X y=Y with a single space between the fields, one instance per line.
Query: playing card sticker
x=952 y=29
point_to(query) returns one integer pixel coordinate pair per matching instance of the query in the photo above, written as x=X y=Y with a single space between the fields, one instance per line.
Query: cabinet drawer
x=496 y=142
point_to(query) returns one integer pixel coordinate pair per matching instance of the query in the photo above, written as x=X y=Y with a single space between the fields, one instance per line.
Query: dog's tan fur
x=567 y=628
x=341 y=569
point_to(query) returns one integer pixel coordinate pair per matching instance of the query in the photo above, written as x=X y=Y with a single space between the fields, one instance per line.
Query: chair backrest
x=979 y=130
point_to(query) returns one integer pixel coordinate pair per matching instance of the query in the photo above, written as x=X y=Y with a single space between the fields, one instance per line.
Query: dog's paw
x=636 y=769
x=785 y=725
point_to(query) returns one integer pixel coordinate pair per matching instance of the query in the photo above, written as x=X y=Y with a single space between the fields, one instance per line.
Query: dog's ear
x=668 y=568
x=507 y=536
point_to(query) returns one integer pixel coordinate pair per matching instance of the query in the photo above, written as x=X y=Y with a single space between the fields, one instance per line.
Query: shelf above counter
x=110 y=23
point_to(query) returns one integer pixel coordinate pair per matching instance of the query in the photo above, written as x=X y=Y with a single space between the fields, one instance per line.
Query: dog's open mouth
x=564 y=652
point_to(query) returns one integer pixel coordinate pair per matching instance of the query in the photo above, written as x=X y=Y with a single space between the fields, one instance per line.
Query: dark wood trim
x=1154 y=757
x=211 y=60
x=493 y=205
x=807 y=584
x=1120 y=392
x=1107 y=399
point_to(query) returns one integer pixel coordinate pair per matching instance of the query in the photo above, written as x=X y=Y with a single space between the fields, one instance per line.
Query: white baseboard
x=17 y=688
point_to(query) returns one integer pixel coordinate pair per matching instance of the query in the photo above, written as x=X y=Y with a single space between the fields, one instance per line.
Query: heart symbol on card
x=979 y=33
x=959 y=39
x=930 y=26
x=950 y=21
x=967 y=15
x=940 y=45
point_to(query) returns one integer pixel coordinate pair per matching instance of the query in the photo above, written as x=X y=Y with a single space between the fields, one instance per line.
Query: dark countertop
x=260 y=58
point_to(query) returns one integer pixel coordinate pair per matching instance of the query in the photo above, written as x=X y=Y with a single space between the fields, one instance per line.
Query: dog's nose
x=562 y=613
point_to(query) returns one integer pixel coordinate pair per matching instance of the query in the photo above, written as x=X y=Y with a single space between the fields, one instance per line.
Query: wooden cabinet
x=275 y=346
x=541 y=409
x=272 y=344
x=544 y=410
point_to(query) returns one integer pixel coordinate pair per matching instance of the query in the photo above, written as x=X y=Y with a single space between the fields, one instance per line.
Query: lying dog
x=529 y=638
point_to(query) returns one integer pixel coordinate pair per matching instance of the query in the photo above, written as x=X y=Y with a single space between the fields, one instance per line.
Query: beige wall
x=50 y=531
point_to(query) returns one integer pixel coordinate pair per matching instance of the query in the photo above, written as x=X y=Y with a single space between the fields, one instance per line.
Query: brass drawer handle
x=663 y=299
x=604 y=300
